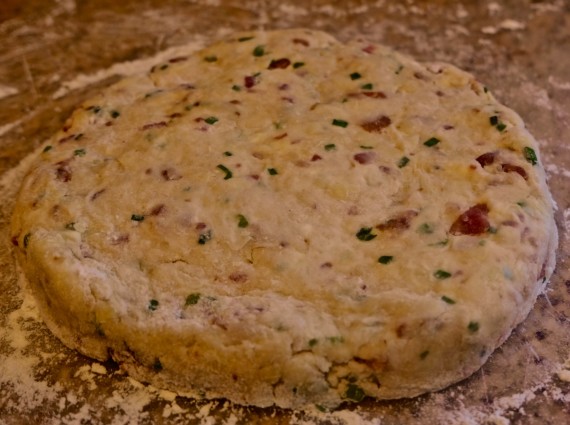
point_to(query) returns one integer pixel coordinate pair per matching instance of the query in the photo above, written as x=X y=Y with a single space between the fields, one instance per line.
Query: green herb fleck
x=153 y=305
x=242 y=221
x=204 y=237
x=521 y=204
x=115 y=114
x=340 y=123
x=330 y=147
x=228 y=153
x=48 y=148
x=440 y=243
x=272 y=171
x=27 y=237
x=355 y=76
x=79 y=152
x=366 y=147
x=448 y=300
x=473 y=326
x=365 y=234
x=226 y=170
x=485 y=89
x=298 y=64
x=424 y=354
x=313 y=342
x=530 y=155
x=211 y=120
x=259 y=51
x=193 y=298
x=70 y=226
x=441 y=274
x=403 y=162
x=385 y=259
x=368 y=86
x=242 y=39
x=235 y=87
x=425 y=228
x=501 y=126
x=157 y=365
x=492 y=230
x=137 y=217
x=321 y=408
x=163 y=67
x=494 y=120
x=431 y=142
x=211 y=58
x=399 y=69
x=354 y=393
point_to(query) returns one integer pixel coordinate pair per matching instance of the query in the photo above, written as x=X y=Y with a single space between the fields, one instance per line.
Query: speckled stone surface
x=54 y=54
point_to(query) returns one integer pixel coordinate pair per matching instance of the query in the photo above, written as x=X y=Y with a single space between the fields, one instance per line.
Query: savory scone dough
x=284 y=219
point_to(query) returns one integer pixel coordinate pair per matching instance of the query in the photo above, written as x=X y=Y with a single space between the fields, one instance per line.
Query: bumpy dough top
x=282 y=218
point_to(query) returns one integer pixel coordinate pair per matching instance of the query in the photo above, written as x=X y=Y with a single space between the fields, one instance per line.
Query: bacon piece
x=154 y=125
x=369 y=49
x=374 y=94
x=316 y=157
x=158 y=210
x=170 y=174
x=178 y=59
x=474 y=221
x=486 y=159
x=238 y=277
x=510 y=168
x=279 y=63
x=399 y=222
x=63 y=172
x=365 y=157
x=249 y=81
x=377 y=125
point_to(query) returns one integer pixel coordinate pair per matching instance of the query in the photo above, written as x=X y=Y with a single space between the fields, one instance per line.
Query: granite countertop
x=56 y=53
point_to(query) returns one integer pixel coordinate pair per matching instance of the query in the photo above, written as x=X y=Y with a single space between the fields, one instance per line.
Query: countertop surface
x=56 y=53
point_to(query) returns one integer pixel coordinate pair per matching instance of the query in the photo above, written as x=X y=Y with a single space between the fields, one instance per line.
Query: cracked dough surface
x=285 y=219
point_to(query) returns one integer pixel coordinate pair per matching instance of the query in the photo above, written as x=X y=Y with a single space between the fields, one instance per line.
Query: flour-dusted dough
x=285 y=219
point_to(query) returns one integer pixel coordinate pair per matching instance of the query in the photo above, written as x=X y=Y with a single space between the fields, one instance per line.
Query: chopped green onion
x=272 y=171
x=340 y=123
x=424 y=354
x=259 y=50
x=48 y=148
x=228 y=153
x=355 y=76
x=115 y=114
x=448 y=300
x=211 y=58
x=354 y=393
x=473 y=326
x=137 y=217
x=242 y=221
x=365 y=234
x=330 y=147
x=211 y=120
x=403 y=162
x=235 y=87
x=366 y=147
x=530 y=155
x=193 y=298
x=242 y=39
x=441 y=274
x=521 y=204
x=385 y=259
x=501 y=126
x=368 y=86
x=152 y=305
x=79 y=152
x=313 y=342
x=431 y=142
x=425 y=228
x=226 y=170
x=298 y=64
x=163 y=67
x=27 y=237
x=399 y=69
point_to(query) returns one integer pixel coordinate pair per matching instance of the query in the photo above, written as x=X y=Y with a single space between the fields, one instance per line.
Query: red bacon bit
x=235 y=102
x=399 y=222
x=154 y=125
x=374 y=94
x=175 y=115
x=200 y=226
x=14 y=240
x=284 y=86
x=66 y=139
x=377 y=125
x=170 y=174
x=472 y=222
x=63 y=172
x=365 y=157
x=448 y=127
x=249 y=81
x=301 y=41
x=486 y=159
x=120 y=239
x=326 y=265
x=281 y=136
x=158 y=210
x=178 y=59
x=369 y=49
x=279 y=63
x=510 y=168
x=254 y=176
x=316 y=157
x=238 y=277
